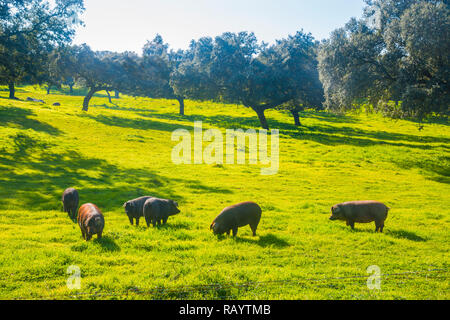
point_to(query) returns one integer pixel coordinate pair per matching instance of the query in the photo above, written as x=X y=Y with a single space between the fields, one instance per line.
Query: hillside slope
x=116 y=152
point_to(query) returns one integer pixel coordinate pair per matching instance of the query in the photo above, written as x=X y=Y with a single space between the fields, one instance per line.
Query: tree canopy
x=396 y=59
x=102 y=70
x=29 y=30
x=236 y=68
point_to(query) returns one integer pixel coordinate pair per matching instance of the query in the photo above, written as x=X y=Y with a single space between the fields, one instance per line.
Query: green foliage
x=120 y=151
x=235 y=68
x=102 y=70
x=398 y=53
x=29 y=30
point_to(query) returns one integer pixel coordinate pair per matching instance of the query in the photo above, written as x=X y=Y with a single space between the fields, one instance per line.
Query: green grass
x=120 y=151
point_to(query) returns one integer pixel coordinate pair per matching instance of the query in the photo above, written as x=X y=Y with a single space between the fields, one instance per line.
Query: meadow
x=121 y=150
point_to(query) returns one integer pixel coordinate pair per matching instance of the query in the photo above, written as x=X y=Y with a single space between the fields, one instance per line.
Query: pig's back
x=244 y=213
x=367 y=210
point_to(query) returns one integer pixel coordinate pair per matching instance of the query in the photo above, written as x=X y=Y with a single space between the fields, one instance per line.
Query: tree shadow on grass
x=435 y=169
x=32 y=176
x=117 y=107
x=403 y=234
x=329 y=117
x=370 y=137
x=107 y=244
x=141 y=124
x=197 y=186
x=324 y=133
x=19 y=118
x=78 y=92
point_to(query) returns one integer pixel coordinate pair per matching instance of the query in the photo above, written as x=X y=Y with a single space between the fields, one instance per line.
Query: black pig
x=235 y=216
x=361 y=212
x=157 y=210
x=135 y=208
x=70 y=202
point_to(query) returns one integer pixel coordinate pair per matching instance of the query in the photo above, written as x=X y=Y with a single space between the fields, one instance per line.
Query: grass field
x=116 y=152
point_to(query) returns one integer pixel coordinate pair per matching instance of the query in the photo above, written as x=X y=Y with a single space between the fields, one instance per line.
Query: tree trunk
x=88 y=98
x=181 y=102
x=71 y=88
x=116 y=94
x=262 y=118
x=12 y=90
x=48 y=89
x=109 y=96
x=296 y=117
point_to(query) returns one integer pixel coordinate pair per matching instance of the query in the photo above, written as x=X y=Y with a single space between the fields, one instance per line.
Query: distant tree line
x=395 y=60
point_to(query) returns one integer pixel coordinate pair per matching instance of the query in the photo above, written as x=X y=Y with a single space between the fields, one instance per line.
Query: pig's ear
x=124 y=204
x=211 y=226
x=337 y=209
x=175 y=203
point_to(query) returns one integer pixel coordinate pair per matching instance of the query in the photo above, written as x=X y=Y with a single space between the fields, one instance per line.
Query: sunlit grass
x=116 y=152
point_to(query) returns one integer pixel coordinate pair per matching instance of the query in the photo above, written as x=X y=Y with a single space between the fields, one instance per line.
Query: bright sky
x=120 y=25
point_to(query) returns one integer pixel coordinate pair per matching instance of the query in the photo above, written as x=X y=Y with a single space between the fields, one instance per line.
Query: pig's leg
x=253 y=227
x=131 y=219
x=235 y=230
x=99 y=235
x=381 y=227
x=83 y=234
x=228 y=232
x=165 y=220
x=137 y=221
x=351 y=224
x=378 y=226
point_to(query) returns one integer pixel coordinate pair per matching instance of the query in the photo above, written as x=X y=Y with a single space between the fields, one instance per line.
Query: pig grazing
x=91 y=221
x=157 y=210
x=235 y=216
x=135 y=208
x=362 y=212
x=70 y=202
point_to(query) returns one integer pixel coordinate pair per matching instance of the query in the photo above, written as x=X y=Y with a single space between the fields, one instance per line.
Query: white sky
x=120 y=25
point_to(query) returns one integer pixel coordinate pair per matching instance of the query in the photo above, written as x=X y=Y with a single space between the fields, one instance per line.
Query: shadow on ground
x=38 y=177
x=435 y=169
x=403 y=234
x=324 y=133
x=107 y=244
x=137 y=123
x=19 y=118
x=268 y=240
x=398 y=234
